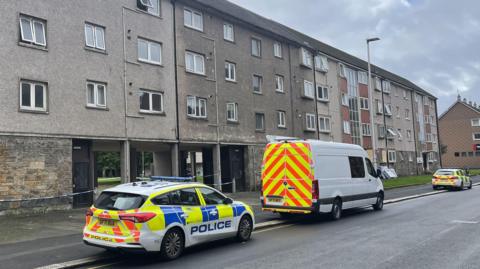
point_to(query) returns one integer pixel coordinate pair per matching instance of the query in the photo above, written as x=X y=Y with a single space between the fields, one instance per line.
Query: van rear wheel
x=379 y=204
x=336 y=212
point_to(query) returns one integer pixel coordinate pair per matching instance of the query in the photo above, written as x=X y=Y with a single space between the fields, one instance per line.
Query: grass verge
x=407 y=181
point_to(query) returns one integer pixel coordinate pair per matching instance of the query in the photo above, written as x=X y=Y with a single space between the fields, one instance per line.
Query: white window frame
x=227 y=29
x=96 y=103
x=306 y=57
x=310 y=122
x=195 y=58
x=95 y=41
x=263 y=121
x=192 y=14
x=281 y=119
x=277 y=49
x=32 y=106
x=405 y=94
x=366 y=129
x=197 y=103
x=32 y=22
x=476 y=122
x=378 y=84
x=392 y=156
x=150 y=97
x=233 y=106
x=150 y=44
x=257 y=42
x=324 y=92
x=230 y=71
x=321 y=63
x=364 y=103
x=260 y=83
x=326 y=123
x=344 y=99
x=363 y=77
x=381 y=131
x=379 y=106
x=341 y=71
x=409 y=135
x=399 y=133
x=407 y=114
x=346 y=127
x=474 y=136
x=279 y=83
x=308 y=86
x=386 y=86
x=390 y=133
x=388 y=109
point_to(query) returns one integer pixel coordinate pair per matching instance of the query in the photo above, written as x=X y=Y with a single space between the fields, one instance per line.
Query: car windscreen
x=119 y=201
x=444 y=173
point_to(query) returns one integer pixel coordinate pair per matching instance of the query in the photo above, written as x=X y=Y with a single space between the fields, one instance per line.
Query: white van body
x=338 y=171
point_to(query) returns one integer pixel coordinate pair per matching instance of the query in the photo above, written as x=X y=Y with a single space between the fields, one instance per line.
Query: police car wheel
x=173 y=244
x=244 y=229
x=470 y=186
x=336 y=213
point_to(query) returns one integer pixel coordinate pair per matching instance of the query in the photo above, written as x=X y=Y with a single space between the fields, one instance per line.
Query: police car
x=165 y=217
x=452 y=179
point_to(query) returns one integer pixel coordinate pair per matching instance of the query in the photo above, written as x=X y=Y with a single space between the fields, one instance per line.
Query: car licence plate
x=106 y=222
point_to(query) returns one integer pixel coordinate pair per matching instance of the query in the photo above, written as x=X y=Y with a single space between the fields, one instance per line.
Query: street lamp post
x=370 y=97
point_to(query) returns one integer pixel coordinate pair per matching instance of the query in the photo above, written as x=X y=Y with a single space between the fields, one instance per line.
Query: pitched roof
x=476 y=109
x=255 y=20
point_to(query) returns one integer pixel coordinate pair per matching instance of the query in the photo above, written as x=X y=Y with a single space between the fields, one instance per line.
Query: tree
x=108 y=161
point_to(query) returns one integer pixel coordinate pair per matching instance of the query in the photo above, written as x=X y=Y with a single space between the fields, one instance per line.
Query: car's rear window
x=119 y=201
x=444 y=173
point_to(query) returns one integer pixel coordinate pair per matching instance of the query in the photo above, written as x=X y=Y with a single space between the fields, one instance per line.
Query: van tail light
x=138 y=217
x=315 y=190
x=89 y=212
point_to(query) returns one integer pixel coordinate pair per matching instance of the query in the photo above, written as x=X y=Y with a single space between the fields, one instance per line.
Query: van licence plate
x=275 y=200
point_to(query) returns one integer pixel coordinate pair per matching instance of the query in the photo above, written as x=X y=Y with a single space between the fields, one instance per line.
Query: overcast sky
x=433 y=43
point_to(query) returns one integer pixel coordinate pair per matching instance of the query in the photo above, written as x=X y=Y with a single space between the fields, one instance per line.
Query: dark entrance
x=425 y=164
x=81 y=173
x=232 y=168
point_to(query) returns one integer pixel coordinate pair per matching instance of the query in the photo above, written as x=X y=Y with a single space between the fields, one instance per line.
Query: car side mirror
x=228 y=201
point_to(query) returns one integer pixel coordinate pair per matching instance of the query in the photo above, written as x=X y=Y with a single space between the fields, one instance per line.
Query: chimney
x=459 y=98
x=470 y=103
x=475 y=104
x=465 y=100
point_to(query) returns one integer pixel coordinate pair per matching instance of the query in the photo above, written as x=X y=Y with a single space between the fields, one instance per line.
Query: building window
x=476 y=136
x=33 y=96
x=256 y=47
x=381 y=131
x=279 y=81
x=341 y=70
x=151 y=102
x=281 y=119
x=363 y=103
x=405 y=94
x=390 y=133
x=96 y=94
x=193 y=19
x=310 y=121
x=363 y=77
x=149 y=51
x=321 y=63
x=94 y=36
x=366 y=129
x=257 y=82
x=230 y=71
x=232 y=112
x=306 y=57
x=346 y=127
x=379 y=106
x=33 y=30
x=149 y=6
x=324 y=124
x=277 y=49
x=322 y=93
x=475 y=122
x=409 y=135
x=344 y=99
x=388 y=109
x=378 y=84
x=407 y=114
x=196 y=107
x=399 y=133
x=392 y=156
x=228 y=33
x=386 y=86
x=308 y=90
x=194 y=63
x=259 y=122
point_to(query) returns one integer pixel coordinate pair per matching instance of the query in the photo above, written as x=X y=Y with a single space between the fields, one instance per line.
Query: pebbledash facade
x=182 y=79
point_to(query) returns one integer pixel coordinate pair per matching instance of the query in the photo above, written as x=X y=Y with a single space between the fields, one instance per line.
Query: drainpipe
x=177 y=127
x=414 y=131
x=438 y=137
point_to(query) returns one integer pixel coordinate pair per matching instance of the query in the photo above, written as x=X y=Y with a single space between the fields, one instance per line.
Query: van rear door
x=287 y=175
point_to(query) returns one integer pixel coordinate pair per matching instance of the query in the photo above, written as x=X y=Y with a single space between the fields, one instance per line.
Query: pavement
x=37 y=240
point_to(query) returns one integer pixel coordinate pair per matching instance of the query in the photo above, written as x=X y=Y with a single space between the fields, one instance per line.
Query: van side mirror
x=228 y=201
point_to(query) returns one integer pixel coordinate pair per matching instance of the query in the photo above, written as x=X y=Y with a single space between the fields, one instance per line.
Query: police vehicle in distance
x=165 y=217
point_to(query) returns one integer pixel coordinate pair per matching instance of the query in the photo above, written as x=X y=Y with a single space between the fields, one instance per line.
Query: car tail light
x=435 y=177
x=137 y=217
x=89 y=212
x=315 y=190
x=454 y=177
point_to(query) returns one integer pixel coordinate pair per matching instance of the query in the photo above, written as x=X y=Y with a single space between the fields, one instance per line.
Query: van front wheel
x=336 y=213
x=379 y=204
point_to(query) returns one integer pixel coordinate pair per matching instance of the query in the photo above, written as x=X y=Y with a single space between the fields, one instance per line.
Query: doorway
x=233 y=168
x=81 y=176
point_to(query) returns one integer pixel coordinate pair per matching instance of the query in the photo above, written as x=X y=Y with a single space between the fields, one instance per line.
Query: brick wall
x=32 y=167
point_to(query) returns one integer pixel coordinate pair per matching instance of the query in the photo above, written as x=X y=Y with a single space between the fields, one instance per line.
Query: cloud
x=433 y=43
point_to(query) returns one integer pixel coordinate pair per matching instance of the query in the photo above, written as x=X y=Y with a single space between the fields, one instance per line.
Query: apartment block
x=200 y=84
x=459 y=128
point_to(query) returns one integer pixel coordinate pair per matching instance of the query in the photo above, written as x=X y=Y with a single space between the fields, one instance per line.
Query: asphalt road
x=440 y=231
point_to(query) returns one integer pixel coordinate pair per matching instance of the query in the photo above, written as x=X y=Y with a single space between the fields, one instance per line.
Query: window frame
x=281 y=119
x=323 y=90
x=32 y=107
x=277 y=44
x=278 y=79
x=307 y=58
x=195 y=55
x=344 y=99
x=150 y=97
x=149 y=49
x=312 y=96
x=474 y=134
x=32 y=20
x=310 y=122
x=346 y=127
x=390 y=154
x=94 y=29
x=475 y=124
x=225 y=32
x=235 y=112
x=178 y=190
x=197 y=107
x=259 y=78
x=95 y=103
x=321 y=63
x=259 y=47
x=213 y=191
x=193 y=12
x=325 y=120
x=263 y=121
x=363 y=77
x=364 y=103
x=366 y=129
x=232 y=70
